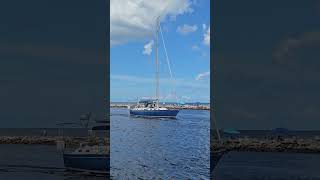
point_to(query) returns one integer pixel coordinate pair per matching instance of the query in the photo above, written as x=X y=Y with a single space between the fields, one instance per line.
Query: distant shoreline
x=169 y=106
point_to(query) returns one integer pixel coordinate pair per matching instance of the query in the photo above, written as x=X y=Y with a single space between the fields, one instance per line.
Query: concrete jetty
x=299 y=145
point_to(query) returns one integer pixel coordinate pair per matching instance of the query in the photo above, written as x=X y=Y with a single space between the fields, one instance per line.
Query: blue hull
x=155 y=113
x=87 y=162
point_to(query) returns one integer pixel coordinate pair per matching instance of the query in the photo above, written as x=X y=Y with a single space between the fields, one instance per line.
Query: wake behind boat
x=151 y=108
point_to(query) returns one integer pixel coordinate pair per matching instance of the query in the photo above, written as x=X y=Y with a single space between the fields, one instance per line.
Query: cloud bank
x=283 y=52
x=132 y=20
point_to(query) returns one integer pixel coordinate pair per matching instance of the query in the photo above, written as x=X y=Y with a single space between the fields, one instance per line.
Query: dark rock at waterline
x=303 y=145
x=49 y=140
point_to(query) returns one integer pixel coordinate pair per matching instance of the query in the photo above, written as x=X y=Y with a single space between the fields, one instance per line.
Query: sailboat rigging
x=150 y=107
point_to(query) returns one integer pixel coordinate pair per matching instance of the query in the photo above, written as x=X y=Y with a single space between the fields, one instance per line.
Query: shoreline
x=288 y=145
x=169 y=106
x=45 y=140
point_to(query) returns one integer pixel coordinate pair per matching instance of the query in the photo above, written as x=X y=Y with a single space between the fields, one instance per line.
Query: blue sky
x=184 y=28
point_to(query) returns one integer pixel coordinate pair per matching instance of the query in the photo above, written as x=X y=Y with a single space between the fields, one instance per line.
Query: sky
x=266 y=58
x=185 y=26
x=52 y=61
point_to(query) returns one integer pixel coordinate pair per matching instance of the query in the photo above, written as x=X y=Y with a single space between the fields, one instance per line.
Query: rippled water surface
x=36 y=162
x=268 y=165
x=167 y=148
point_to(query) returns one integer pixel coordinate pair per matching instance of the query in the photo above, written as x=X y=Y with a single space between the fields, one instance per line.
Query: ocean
x=160 y=148
x=140 y=149
x=157 y=148
x=268 y=166
x=36 y=162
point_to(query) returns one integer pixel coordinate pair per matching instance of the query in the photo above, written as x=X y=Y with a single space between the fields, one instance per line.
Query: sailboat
x=88 y=157
x=150 y=107
x=91 y=156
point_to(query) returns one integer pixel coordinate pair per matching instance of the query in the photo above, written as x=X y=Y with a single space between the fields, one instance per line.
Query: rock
x=267 y=144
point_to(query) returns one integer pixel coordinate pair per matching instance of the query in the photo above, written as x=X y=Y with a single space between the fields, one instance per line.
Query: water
x=36 y=162
x=160 y=148
x=268 y=165
x=157 y=148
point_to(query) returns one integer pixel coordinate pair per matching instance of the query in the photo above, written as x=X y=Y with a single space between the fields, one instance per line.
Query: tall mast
x=157 y=61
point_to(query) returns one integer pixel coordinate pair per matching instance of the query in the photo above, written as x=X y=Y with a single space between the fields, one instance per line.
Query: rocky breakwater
x=169 y=106
x=119 y=105
x=46 y=140
x=190 y=107
x=300 y=145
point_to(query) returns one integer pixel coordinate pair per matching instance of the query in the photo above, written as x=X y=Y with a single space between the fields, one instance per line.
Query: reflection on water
x=167 y=148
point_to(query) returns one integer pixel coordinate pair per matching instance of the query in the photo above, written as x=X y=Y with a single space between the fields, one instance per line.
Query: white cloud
x=186 y=29
x=289 y=46
x=148 y=48
x=206 y=37
x=195 y=48
x=164 y=81
x=202 y=75
x=204 y=27
x=132 y=20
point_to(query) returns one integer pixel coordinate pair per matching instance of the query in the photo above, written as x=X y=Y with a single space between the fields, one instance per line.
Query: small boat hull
x=92 y=163
x=154 y=113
